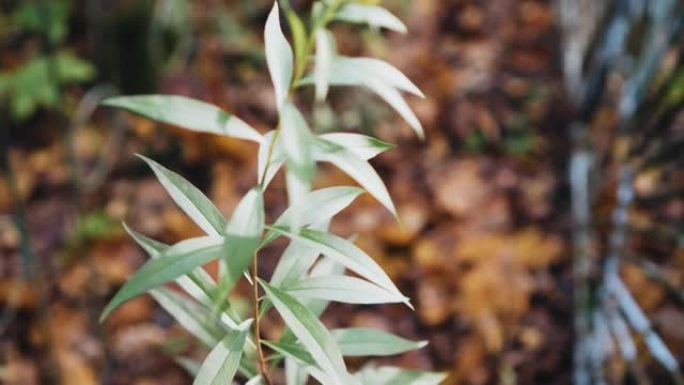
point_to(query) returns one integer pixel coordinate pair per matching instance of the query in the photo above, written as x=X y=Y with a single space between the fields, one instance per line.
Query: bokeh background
x=486 y=248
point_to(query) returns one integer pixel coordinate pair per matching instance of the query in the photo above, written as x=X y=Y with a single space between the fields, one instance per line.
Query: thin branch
x=639 y=321
x=269 y=157
x=579 y=172
x=257 y=320
x=602 y=347
x=655 y=273
x=625 y=341
x=621 y=334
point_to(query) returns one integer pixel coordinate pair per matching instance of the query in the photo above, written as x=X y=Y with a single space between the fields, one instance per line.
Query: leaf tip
x=397 y=219
x=105 y=314
x=275 y=9
x=114 y=101
x=244 y=326
x=143 y=157
x=420 y=132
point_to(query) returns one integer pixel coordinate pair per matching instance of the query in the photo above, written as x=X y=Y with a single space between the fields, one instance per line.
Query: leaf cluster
x=311 y=271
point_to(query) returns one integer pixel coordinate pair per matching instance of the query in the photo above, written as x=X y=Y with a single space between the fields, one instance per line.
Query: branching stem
x=325 y=19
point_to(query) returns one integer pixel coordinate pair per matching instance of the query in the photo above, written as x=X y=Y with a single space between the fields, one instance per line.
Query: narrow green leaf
x=292 y=350
x=381 y=78
x=325 y=53
x=223 y=361
x=194 y=318
x=151 y=246
x=186 y=112
x=358 y=169
x=296 y=260
x=279 y=56
x=196 y=283
x=297 y=189
x=387 y=375
x=295 y=373
x=297 y=142
x=198 y=320
x=322 y=205
x=242 y=237
x=301 y=356
x=188 y=364
x=394 y=99
x=270 y=158
x=365 y=147
x=372 y=15
x=373 y=342
x=359 y=71
x=324 y=267
x=174 y=262
x=189 y=198
x=344 y=253
x=319 y=206
x=343 y=289
x=318 y=12
x=299 y=38
x=311 y=333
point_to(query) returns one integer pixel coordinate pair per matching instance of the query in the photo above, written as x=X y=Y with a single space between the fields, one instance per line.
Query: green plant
x=303 y=283
x=38 y=81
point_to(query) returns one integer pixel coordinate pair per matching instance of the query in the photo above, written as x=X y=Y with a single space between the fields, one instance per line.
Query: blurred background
x=543 y=216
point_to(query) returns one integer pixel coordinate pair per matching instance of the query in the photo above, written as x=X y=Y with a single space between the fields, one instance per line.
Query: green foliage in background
x=311 y=270
x=37 y=82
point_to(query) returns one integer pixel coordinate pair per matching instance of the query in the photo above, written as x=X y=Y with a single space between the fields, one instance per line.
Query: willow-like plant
x=311 y=270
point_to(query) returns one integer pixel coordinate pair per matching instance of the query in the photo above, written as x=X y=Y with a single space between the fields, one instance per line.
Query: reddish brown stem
x=257 y=324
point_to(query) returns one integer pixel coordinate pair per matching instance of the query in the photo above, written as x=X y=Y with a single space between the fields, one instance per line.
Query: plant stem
x=325 y=19
x=322 y=23
x=269 y=157
x=327 y=16
x=257 y=324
